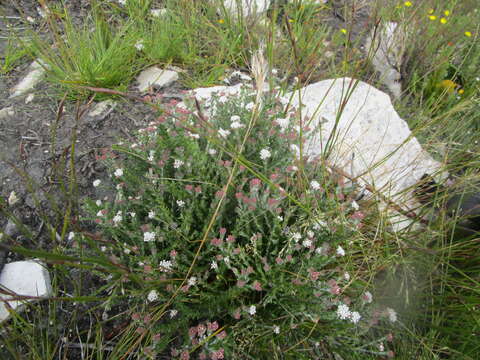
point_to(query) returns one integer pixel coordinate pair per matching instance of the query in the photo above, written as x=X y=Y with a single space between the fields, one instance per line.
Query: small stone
x=29 y=98
x=6 y=112
x=102 y=109
x=12 y=199
x=35 y=73
x=158 y=12
x=24 y=278
x=156 y=77
x=386 y=49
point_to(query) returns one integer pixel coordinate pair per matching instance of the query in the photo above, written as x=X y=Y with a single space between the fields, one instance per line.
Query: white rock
x=158 y=12
x=248 y=8
x=102 y=109
x=6 y=112
x=385 y=48
x=371 y=141
x=36 y=71
x=154 y=76
x=29 y=98
x=27 y=278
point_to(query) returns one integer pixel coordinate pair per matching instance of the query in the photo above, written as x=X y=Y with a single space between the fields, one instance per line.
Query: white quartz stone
x=154 y=76
x=367 y=139
x=247 y=8
x=385 y=48
x=7 y=112
x=102 y=109
x=35 y=73
x=27 y=278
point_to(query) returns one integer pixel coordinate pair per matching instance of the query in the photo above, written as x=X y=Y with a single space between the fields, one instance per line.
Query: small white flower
x=355 y=317
x=192 y=281
x=236 y=125
x=118 y=173
x=274 y=71
x=214 y=265
x=122 y=2
x=295 y=148
x=250 y=106
x=280 y=218
x=166 y=265
x=151 y=156
x=103 y=248
x=381 y=347
x=252 y=310
x=315 y=185
x=226 y=259
x=127 y=251
x=139 y=45
x=355 y=205
x=212 y=151
x=319 y=224
x=96 y=182
x=117 y=218
x=180 y=203
x=307 y=243
x=118 y=187
x=340 y=251
x=276 y=329
x=265 y=154
x=30 y=19
x=71 y=235
x=392 y=315
x=343 y=312
x=346 y=276
x=367 y=297
x=194 y=136
x=223 y=133
x=151 y=214
x=222 y=99
x=132 y=214
x=310 y=234
x=235 y=118
x=177 y=163
x=296 y=236
x=283 y=122
x=148 y=236
x=98 y=202
x=173 y=313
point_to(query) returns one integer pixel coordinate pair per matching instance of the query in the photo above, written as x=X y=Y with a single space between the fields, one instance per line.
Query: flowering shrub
x=231 y=245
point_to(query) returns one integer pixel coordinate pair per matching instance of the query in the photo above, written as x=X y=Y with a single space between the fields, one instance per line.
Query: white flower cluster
x=152 y=295
x=148 y=236
x=118 y=173
x=344 y=313
x=265 y=154
x=166 y=265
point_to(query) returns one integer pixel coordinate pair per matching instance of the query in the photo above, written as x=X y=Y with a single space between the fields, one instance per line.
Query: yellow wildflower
x=221 y=21
x=468 y=34
x=448 y=85
x=343 y=31
x=290 y=20
x=407 y=3
x=443 y=20
x=461 y=91
x=446 y=12
x=432 y=17
x=431 y=11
